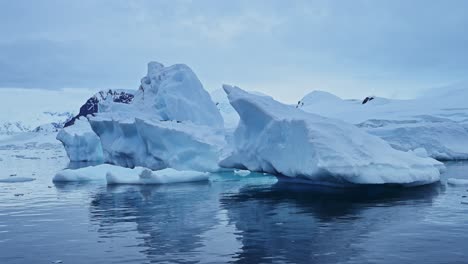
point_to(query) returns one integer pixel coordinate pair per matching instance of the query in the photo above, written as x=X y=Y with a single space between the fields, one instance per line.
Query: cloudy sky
x=394 y=48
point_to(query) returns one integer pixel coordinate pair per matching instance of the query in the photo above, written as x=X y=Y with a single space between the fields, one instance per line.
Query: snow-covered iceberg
x=119 y=175
x=437 y=122
x=80 y=142
x=283 y=140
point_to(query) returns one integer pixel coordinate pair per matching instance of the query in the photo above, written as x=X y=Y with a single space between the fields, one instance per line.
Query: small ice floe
x=457 y=182
x=147 y=176
x=120 y=175
x=15 y=179
x=242 y=172
x=91 y=173
x=57 y=261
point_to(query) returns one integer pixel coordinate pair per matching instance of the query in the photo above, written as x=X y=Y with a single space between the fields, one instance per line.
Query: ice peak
x=154 y=68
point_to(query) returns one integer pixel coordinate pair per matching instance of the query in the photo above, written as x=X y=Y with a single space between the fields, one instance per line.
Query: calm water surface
x=252 y=219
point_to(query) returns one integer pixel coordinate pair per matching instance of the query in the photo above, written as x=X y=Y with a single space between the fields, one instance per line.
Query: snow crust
x=80 y=142
x=120 y=175
x=436 y=122
x=283 y=140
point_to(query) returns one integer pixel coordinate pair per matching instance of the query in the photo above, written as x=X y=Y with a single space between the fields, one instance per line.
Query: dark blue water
x=252 y=219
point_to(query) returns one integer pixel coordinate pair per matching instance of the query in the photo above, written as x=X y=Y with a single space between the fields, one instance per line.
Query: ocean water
x=250 y=219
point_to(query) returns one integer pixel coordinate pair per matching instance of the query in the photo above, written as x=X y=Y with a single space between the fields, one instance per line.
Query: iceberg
x=286 y=141
x=80 y=142
x=170 y=121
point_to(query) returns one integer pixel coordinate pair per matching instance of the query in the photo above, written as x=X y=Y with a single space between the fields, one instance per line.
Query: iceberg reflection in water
x=232 y=218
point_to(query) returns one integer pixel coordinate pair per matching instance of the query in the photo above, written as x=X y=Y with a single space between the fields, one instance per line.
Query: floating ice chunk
x=147 y=176
x=121 y=175
x=16 y=179
x=80 y=142
x=283 y=140
x=92 y=173
x=242 y=172
x=455 y=181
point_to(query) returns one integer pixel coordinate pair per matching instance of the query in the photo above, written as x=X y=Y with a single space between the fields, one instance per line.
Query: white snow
x=80 y=142
x=457 y=182
x=164 y=176
x=16 y=179
x=281 y=139
x=120 y=175
x=436 y=122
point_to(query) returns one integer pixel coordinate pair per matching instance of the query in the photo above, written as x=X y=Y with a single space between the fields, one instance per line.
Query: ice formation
x=457 y=182
x=242 y=172
x=155 y=144
x=437 y=122
x=91 y=173
x=175 y=93
x=283 y=140
x=120 y=175
x=16 y=179
x=80 y=142
x=170 y=121
x=164 y=176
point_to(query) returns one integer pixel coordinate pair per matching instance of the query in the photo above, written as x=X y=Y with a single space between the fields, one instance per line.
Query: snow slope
x=283 y=140
x=437 y=122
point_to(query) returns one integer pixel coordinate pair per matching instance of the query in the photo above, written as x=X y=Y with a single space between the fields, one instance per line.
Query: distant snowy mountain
x=26 y=110
x=437 y=122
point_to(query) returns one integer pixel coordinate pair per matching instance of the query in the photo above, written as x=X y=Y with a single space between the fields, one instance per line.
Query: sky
x=389 y=48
